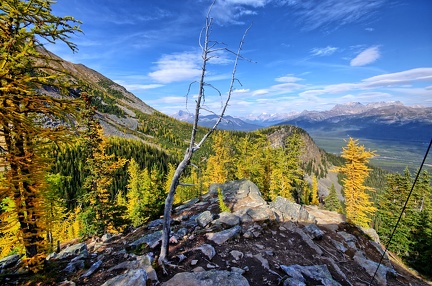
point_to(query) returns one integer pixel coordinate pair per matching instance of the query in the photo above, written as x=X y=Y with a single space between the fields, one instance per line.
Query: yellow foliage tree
x=315 y=200
x=359 y=207
x=285 y=171
x=217 y=164
x=25 y=68
x=251 y=159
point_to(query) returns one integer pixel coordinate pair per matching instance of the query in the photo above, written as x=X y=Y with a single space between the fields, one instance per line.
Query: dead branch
x=206 y=48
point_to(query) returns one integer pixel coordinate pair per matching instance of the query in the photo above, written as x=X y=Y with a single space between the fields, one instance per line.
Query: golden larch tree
x=25 y=69
x=359 y=207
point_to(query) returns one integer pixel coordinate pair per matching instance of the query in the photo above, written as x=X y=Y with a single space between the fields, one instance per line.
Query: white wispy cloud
x=399 y=78
x=311 y=15
x=327 y=51
x=366 y=57
x=135 y=86
x=325 y=13
x=288 y=78
x=187 y=66
x=229 y=11
x=177 y=67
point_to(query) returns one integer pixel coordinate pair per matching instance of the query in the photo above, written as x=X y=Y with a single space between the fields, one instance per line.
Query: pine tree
x=24 y=25
x=390 y=204
x=412 y=238
x=332 y=202
x=419 y=218
x=359 y=207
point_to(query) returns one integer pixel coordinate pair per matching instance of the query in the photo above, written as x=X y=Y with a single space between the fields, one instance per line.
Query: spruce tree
x=390 y=204
x=359 y=207
x=332 y=202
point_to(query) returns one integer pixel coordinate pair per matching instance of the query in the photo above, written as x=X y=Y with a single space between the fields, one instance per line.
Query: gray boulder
x=286 y=210
x=349 y=239
x=314 y=231
x=371 y=267
x=222 y=236
x=133 y=277
x=240 y=194
x=260 y=213
x=300 y=274
x=204 y=218
x=74 y=265
x=208 y=278
x=79 y=249
x=227 y=219
x=207 y=250
x=92 y=269
x=9 y=261
x=152 y=240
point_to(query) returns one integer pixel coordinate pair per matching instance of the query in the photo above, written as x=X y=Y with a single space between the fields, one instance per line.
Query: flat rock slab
x=207 y=250
x=300 y=274
x=207 y=278
x=74 y=250
x=9 y=261
x=222 y=236
x=135 y=277
x=226 y=218
x=152 y=240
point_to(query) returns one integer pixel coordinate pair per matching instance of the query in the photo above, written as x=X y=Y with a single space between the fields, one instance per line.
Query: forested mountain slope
x=123 y=181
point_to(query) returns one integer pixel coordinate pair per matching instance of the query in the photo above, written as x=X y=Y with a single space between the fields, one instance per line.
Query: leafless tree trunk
x=208 y=49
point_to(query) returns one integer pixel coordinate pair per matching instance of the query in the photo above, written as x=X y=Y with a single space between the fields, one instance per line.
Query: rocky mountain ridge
x=227 y=123
x=383 y=108
x=256 y=243
x=394 y=120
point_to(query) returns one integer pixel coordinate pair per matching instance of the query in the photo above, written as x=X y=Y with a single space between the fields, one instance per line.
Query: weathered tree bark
x=207 y=50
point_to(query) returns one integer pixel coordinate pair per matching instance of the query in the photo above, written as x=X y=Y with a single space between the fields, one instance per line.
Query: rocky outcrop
x=286 y=210
x=245 y=201
x=258 y=243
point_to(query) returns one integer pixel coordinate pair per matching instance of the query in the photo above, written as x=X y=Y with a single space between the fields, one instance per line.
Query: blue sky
x=306 y=54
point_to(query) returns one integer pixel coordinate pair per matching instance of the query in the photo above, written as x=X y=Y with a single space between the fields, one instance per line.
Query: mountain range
x=378 y=120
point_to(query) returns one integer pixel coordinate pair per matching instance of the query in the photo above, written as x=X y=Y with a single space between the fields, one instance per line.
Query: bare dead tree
x=208 y=52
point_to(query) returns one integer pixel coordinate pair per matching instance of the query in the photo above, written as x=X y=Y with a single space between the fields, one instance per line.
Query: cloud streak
x=366 y=57
x=230 y=11
x=311 y=15
x=325 y=13
x=327 y=51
